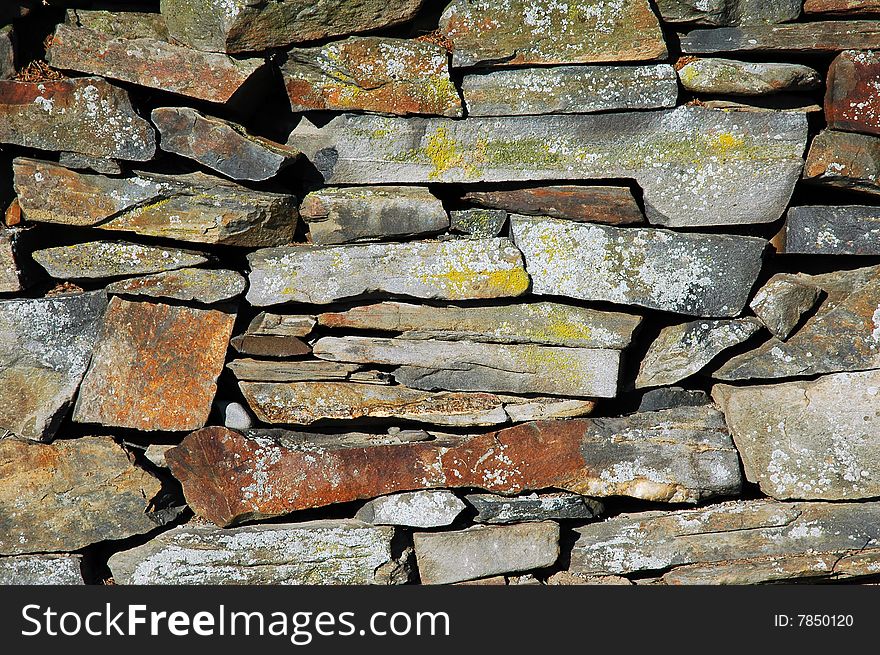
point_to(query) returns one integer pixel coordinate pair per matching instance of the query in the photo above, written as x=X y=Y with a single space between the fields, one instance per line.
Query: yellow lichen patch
x=725 y=142
x=443 y=153
x=465 y=281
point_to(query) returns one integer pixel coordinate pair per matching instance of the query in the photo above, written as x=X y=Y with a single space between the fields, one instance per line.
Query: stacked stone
x=469 y=285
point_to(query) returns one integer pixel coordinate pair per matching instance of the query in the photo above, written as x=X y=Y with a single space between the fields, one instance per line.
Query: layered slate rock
x=253 y=25
x=388 y=76
x=304 y=403
x=440 y=270
x=55 y=570
x=149 y=61
x=474 y=366
x=549 y=323
x=683 y=350
x=695 y=274
x=99 y=259
x=852 y=101
x=681 y=455
x=208 y=286
x=155 y=367
x=261 y=370
x=482 y=551
x=842 y=7
x=782 y=302
x=10 y=278
x=843 y=334
x=417 y=509
x=696 y=166
x=84 y=490
x=344 y=214
x=735 y=542
x=340 y=552
x=814 y=440
x=844 y=160
x=86 y=115
x=732 y=77
x=480 y=223
x=533 y=507
x=195 y=207
x=220 y=145
x=593 y=204
x=45 y=348
x=729 y=12
x=840 y=230
x=7 y=52
x=275 y=335
x=828 y=36
x=569 y=90
x=517 y=32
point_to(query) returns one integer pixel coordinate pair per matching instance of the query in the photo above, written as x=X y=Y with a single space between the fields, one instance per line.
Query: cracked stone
x=844 y=160
x=208 y=286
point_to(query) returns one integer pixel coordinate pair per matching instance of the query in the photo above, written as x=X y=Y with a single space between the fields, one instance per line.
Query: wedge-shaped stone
x=304 y=403
x=782 y=302
x=843 y=334
x=155 y=367
x=842 y=7
x=55 y=570
x=344 y=214
x=841 y=230
x=844 y=160
x=813 y=37
x=86 y=115
x=534 y=507
x=443 y=270
x=852 y=101
x=70 y=494
x=45 y=348
x=593 y=204
x=695 y=274
x=220 y=145
x=97 y=259
x=10 y=275
x=515 y=32
x=417 y=509
x=569 y=90
x=815 y=440
x=683 y=350
x=481 y=551
x=315 y=553
x=731 y=77
x=475 y=366
x=261 y=370
x=275 y=335
x=696 y=166
x=742 y=531
x=681 y=455
x=254 y=25
x=203 y=285
x=150 y=62
x=196 y=207
x=729 y=12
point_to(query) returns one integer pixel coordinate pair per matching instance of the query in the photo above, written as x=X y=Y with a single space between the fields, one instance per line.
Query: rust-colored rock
x=844 y=160
x=852 y=100
x=844 y=8
x=155 y=367
x=595 y=204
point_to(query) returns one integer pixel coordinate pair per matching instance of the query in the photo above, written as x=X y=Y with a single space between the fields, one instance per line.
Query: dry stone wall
x=405 y=291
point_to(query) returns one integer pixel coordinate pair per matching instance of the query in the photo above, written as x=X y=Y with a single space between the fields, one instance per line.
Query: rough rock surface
x=534 y=507
x=732 y=77
x=261 y=370
x=275 y=335
x=55 y=570
x=98 y=259
x=7 y=52
x=842 y=7
x=829 y=36
x=782 y=302
x=852 y=100
x=208 y=286
x=10 y=275
x=479 y=223
x=593 y=204
x=840 y=230
x=844 y=160
x=417 y=509
x=729 y=12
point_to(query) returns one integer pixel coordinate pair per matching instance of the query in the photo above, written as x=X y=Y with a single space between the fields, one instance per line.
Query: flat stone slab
x=557 y=506
x=262 y=370
x=782 y=302
x=481 y=551
x=826 y=36
x=220 y=145
x=87 y=115
x=696 y=166
x=155 y=367
x=55 y=570
x=466 y=269
x=852 y=101
x=694 y=274
x=732 y=77
x=519 y=32
x=195 y=207
x=835 y=230
x=45 y=348
x=569 y=90
x=337 y=552
x=729 y=12
x=479 y=223
x=842 y=7
x=548 y=323
x=100 y=259
x=592 y=204
x=345 y=214
x=83 y=490
x=680 y=455
x=208 y=286
x=475 y=366
x=844 y=160
x=417 y=509
x=275 y=335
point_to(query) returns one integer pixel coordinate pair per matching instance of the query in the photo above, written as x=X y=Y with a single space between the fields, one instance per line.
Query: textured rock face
x=99 y=259
x=199 y=284
x=534 y=507
x=10 y=280
x=844 y=160
x=86 y=115
x=729 y=12
x=45 y=348
x=842 y=7
x=155 y=367
x=681 y=455
x=319 y=553
x=55 y=570
x=781 y=303
x=85 y=490
x=515 y=32
x=479 y=223
x=7 y=53
x=852 y=103
x=728 y=76
x=830 y=36
x=843 y=230
x=593 y=204
x=688 y=274
x=417 y=509
x=696 y=166
x=442 y=270
x=274 y=335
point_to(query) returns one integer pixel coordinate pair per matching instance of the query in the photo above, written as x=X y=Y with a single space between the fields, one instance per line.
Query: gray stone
x=10 y=275
x=731 y=77
x=683 y=350
x=482 y=551
x=478 y=223
x=345 y=214
x=261 y=370
x=54 y=570
x=830 y=230
x=655 y=400
x=569 y=90
x=782 y=302
x=844 y=8
x=417 y=509
x=465 y=269
x=7 y=52
x=791 y=103
x=45 y=348
x=99 y=259
x=534 y=507
x=696 y=166
x=808 y=38
x=337 y=552
x=235 y=416
x=202 y=285
x=78 y=162
x=694 y=274
x=720 y=13
x=156 y=454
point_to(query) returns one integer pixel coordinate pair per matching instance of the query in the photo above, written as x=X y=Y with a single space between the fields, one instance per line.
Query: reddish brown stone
x=155 y=367
x=13 y=214
x=842 y=7
x=596 y=204
x=845 y=160
x=852 y=100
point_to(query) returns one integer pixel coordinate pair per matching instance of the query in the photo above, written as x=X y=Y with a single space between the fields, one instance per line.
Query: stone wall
x=395 y=291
